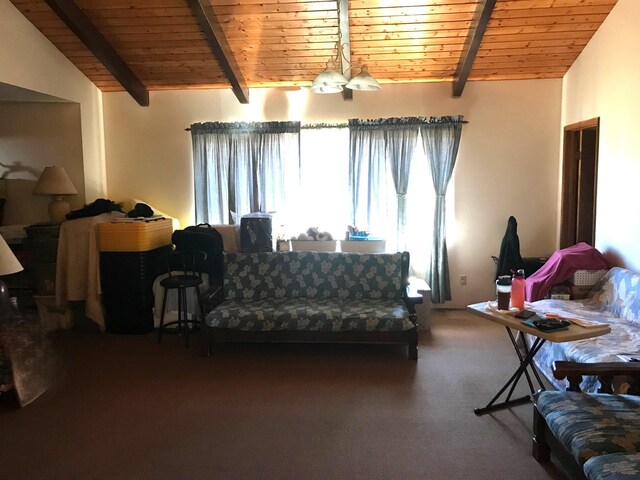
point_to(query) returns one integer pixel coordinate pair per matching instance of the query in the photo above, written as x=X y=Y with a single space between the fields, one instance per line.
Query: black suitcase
x=255 y=233
x=206 y=238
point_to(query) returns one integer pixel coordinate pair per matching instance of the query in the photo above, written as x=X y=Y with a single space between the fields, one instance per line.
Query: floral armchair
x=594 y=435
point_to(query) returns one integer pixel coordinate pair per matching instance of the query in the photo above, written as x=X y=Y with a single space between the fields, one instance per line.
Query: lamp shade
x=326 y=88
x=364 y=82
x=54 y=181
x=8 y=262
x=329 y=80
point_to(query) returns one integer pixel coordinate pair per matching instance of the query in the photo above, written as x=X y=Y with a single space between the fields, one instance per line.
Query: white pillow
x=230 y=237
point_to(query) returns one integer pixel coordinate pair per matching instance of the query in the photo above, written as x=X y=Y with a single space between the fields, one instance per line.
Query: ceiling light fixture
x=330 y=80
x=364 y=81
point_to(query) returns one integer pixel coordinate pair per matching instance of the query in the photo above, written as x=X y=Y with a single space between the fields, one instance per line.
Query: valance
x=245 y=127
x=403 y=122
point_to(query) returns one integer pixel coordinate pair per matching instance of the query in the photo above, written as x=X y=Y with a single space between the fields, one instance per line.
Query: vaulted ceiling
x=144 y=45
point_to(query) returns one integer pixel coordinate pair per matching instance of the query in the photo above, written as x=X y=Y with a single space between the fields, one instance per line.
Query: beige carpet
x=127 y=408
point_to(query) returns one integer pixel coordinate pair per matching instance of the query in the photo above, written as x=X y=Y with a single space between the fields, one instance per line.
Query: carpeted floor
x=124 y=407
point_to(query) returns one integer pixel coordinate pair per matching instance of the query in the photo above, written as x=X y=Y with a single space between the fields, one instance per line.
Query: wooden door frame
x=569 y=195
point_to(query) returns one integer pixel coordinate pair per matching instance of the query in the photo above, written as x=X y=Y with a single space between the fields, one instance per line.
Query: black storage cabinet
x=127 y=288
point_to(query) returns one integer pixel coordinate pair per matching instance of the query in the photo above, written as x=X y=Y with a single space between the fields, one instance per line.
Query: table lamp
x=8 y=264
x=54 y=181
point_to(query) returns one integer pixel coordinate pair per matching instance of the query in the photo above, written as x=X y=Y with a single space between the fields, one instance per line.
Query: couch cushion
x=312 y=275
x=303 y=314
x=590 y=424
x=623 y=338
x=615 y=300
x=618 y=293
x=308 y=314
x=254 y=276
x=375 y=315
x=243 y=314
x=372 y=276
x=315 y=274
x=615 y=466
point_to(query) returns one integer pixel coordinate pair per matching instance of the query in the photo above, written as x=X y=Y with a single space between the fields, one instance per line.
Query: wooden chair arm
x=606 y=372
x=211 y=298
x=411 y=299
x=412 y=293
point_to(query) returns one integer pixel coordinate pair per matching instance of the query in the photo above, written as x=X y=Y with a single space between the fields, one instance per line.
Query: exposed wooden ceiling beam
x=218 y=42
x=86 y=31
x=345 y=45
x=479 y=26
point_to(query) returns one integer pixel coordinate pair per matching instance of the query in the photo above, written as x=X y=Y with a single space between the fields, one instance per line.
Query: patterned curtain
x=401 y=138
x=441 y=139
x=240 y=167
x=367 y=158
x=377 y=147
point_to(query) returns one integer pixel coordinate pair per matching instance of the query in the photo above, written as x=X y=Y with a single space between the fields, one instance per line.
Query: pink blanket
x=561 y=266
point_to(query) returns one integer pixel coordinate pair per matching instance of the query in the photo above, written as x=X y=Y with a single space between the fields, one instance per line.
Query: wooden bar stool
x=185 y=272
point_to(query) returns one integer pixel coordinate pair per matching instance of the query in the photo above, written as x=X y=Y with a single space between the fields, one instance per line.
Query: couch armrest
x=607 y=373
x=412 y=297
x=416 y=289
x=211 y=298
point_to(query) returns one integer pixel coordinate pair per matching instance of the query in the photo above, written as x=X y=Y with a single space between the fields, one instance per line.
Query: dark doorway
x=579 y=183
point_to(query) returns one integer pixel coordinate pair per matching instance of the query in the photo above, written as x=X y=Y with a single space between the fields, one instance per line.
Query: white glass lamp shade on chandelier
x=363 y=82
x=331 y=80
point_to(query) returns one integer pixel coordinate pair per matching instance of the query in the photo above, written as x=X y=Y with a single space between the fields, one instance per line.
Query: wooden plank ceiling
x=278 y=43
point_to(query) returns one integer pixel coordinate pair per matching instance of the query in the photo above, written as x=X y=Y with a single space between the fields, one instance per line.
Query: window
x=322 y=194
x=367 y=174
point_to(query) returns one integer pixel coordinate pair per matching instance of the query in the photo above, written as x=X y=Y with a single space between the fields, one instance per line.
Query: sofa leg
x=413 y=352
x=539 y=447
x=412 y=346
x=205 y=348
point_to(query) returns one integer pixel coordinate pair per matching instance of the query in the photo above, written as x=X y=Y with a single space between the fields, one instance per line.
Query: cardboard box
x=313 y=245
x=363 y=246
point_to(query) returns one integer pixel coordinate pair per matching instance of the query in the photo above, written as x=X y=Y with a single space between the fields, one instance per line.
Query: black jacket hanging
x=510 y=259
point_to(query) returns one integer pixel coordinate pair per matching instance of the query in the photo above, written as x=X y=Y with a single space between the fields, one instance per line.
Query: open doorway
x=579 y=183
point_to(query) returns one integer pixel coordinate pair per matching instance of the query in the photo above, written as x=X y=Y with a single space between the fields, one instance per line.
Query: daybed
x=593 y=435
x=615 y=300
x=314 y=297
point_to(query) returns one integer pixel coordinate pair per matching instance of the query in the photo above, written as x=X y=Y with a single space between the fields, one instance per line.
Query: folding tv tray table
x=574 y=332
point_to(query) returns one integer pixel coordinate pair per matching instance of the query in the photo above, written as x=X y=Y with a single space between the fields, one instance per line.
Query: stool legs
x=183 y=315
x=182 y=292
x=164 y=307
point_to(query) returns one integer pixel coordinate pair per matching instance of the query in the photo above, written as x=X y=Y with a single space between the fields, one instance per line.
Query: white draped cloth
x=78 y=265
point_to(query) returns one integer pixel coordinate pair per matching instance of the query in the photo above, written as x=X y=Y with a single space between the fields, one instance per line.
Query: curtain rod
x=309 y=126
x=323 y=125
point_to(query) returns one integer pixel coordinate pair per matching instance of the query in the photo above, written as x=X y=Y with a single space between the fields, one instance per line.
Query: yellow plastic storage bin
x=135 y=236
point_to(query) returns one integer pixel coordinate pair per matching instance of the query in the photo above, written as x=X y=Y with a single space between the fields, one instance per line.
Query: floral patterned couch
x=615 y=299
x=314 y=297
x=593 y=435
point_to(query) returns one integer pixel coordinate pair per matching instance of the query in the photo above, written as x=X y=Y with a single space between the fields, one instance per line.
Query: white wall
x=507 y=163
x=28 y=60
x=603 y=82
x=33 y=136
